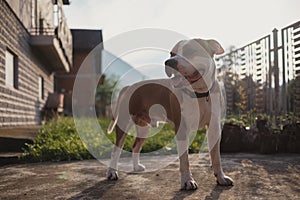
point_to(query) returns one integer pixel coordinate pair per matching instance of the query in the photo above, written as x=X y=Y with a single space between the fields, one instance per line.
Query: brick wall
x=22 y=106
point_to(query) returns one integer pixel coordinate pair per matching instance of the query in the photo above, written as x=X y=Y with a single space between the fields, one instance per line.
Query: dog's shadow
x=216 y=192
x=182 y=194
x=96 y=191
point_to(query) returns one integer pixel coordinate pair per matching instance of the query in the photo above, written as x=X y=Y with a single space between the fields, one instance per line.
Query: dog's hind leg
x=112 y=173
x=142 y=132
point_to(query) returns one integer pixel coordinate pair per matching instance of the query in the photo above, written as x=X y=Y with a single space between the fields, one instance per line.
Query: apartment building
x=269 y=69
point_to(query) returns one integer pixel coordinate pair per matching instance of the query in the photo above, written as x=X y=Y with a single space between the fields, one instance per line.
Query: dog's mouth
x=194 y=77
x=183 y=73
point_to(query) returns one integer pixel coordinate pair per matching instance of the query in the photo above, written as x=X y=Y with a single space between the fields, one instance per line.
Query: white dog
x=191 y=99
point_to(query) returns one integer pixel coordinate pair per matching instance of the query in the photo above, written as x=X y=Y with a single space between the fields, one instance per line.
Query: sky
x=231 y=22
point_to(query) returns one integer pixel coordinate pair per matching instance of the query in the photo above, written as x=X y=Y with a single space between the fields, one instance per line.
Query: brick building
x=35 y=41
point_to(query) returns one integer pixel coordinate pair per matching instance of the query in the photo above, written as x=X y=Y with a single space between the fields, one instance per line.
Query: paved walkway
x=255 y=176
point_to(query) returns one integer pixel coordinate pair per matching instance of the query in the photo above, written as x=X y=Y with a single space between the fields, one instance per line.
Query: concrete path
x=255 y=176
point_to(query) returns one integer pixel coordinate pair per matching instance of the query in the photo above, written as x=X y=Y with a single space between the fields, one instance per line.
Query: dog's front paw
x=224 y=180
x=189 y=184
x=112 y=174
x=139 y=168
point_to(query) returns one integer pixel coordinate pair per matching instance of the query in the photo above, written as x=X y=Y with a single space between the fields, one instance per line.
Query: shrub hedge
x=58 y=140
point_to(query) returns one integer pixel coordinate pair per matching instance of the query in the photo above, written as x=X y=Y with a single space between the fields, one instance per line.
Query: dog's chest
x=196 y=111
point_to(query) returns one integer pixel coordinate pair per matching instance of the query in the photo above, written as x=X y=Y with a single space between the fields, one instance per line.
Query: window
x=11 y=70
x=41 y=87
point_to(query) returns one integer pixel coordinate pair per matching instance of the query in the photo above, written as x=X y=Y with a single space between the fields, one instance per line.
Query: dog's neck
x=193 y=93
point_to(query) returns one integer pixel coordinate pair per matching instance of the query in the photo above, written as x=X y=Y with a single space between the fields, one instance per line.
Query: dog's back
x=137 y=99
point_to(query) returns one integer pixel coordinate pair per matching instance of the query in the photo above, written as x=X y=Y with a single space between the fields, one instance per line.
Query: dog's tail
x=112 y=125
x=116 y=114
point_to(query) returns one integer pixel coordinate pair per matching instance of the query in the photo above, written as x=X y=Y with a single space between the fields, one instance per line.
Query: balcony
x=53 y=45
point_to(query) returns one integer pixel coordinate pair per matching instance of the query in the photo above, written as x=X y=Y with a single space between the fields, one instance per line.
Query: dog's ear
x=215 y=47
x=211 y=46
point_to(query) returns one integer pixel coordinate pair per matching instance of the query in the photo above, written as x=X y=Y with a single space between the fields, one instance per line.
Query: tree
x=104 y=92
x=241 y=102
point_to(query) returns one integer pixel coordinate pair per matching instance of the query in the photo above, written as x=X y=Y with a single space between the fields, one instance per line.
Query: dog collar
x=195 y=94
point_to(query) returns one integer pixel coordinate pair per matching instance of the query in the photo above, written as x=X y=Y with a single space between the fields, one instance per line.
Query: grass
x=58 y=140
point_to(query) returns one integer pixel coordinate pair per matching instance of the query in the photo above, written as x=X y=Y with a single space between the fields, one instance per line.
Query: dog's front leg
x=187 y=181
x=222 y=179
x=214 y=139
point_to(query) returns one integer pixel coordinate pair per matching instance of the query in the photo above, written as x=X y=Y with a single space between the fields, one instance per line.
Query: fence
x=264 y=75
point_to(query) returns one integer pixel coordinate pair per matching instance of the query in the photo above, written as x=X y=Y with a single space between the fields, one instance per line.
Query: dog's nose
x=170 y=66
x=171 y=63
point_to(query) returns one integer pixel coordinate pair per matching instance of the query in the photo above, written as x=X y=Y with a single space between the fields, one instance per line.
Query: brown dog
x=190 y=99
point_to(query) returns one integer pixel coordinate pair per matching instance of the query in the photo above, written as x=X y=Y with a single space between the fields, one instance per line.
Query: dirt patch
x=255 y=176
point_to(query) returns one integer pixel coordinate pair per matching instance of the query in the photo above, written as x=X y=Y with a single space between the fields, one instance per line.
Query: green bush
x=235 y=121
x=58 y=140
x=244 y=120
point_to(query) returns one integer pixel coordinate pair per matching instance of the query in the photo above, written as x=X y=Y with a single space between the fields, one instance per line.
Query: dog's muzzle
x=170 y=66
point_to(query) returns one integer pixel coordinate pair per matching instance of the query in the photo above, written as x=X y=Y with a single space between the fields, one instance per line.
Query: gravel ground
x=255 y=176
